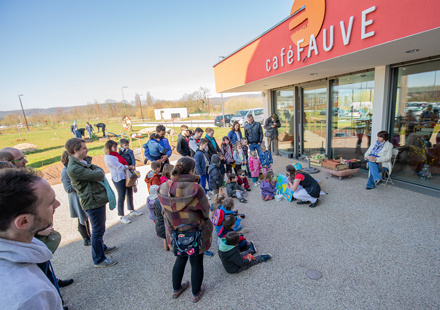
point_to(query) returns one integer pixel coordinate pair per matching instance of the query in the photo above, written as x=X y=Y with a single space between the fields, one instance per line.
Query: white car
x=241 y=116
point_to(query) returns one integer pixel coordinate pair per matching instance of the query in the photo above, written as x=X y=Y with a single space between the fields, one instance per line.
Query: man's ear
x=22 y=221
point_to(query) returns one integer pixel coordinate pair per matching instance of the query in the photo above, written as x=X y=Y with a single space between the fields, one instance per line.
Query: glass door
x=313 y=125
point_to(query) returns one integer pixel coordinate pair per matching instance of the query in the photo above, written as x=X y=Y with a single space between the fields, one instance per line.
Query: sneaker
x=252 y=247
x=312 y=205
x=248 y=189
x=266 y=257
x=110 y=250
x=242 y=200
x=256 y=184
x=87 y=242
x=209 y=253
x=125 y=220
x=136 y=213
x=243 y=231
x=108 y=262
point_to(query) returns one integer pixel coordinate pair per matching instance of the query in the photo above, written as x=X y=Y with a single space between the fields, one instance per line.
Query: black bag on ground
x=186 y=243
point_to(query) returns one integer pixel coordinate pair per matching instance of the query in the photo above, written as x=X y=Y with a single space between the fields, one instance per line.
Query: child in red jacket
x=153 y=177
x=242 y=180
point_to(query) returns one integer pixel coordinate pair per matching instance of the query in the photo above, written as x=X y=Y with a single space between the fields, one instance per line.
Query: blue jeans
x=254 y=147
x=90 y=134
x=97 y=220
x=374 y=174
x=123 y=192
x=203 y=180
x=77 y=134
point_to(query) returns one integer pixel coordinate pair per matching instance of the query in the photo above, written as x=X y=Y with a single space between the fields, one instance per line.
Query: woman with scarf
x=184 y=201
x=117 y=165
x=378 y=158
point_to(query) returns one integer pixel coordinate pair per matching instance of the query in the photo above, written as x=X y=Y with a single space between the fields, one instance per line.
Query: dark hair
x=108 y=146
x=203 y=141
x=124 y=141
x=233 y=126
x=225 y=138
x=17 y=195
x=229 y=222
x=65 y=158
x=198 y=129
x=232 y=238
x=154 y=136
x=383 y=134
x=228 y=203
x=155 y=165
x=183 y=166
x=73 y=144
x=160 y=128
x=191 y=132
x=232 y=176
x=240 y=172
x=291 y=171
x=6 y=156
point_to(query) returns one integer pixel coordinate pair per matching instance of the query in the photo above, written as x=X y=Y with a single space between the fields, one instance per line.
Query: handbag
x=130 y=178
x=186 y=243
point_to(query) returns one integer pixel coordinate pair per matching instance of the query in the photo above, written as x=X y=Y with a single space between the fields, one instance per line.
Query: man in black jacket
x=183 y=142
x=271 y=126
x=254 y=134
x=235 y=261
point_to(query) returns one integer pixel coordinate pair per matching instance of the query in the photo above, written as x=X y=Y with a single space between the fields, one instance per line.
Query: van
x=241 y=116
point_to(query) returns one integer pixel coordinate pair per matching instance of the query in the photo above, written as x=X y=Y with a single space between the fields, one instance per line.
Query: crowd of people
x=80 y=132
x=178 y=203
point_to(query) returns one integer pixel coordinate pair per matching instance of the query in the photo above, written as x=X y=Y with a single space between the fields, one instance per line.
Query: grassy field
x=51 y=142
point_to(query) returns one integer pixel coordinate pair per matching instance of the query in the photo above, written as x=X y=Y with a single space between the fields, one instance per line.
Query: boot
x=87 y=242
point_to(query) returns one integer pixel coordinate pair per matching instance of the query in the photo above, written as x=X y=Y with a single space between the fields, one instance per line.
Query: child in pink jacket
x=255 y=166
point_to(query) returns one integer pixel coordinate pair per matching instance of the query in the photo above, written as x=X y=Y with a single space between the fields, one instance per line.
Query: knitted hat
x=215 y=159
x=153 y=192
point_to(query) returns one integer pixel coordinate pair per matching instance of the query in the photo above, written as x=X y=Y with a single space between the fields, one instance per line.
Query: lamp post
x=25 y=119
x=123 y=99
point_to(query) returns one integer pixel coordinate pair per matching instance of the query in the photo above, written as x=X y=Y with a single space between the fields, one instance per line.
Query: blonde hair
x=167 y=168
x=209 y=130
x=269 y=176
x=254 y=153
x=108 y=146
x=262 y=146
x=218 y=200
x=237 y=145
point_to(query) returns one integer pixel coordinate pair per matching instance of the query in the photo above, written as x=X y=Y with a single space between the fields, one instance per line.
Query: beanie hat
x=215 y=159
x=274 y=116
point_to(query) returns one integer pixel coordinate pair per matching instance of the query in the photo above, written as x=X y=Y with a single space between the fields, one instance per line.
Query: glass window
x=258 y=112
x=314 y=117
x=416 y=124
x=284 y=107
x=352 y=111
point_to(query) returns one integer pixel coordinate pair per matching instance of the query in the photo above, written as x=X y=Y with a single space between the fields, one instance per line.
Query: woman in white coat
x=378 y=157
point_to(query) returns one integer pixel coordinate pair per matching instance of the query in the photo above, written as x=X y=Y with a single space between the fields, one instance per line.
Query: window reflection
x=314 y=118
x=285 y=106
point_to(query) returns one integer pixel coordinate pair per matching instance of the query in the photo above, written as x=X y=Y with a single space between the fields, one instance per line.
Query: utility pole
x=25 y=119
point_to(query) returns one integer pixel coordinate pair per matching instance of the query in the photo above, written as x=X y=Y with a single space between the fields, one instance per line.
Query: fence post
x=142 y=151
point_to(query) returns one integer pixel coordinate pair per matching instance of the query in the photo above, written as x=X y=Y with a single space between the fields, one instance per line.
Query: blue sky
x=71 y=52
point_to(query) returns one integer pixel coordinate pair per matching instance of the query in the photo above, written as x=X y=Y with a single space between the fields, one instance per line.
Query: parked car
x=353 y=113
x=241 y=116
x=224 y=121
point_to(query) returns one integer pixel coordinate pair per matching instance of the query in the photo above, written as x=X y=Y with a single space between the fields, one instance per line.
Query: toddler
x=150 y=201
x=160 y=225
x=239 y=157
x=126 y=152
x=226 y=149
x=216 y=177
x=267 y=188
x=166 y=173
x=255 y=166
x=228 y=224
x=155 y=150
x=266 y=159
x=235 y=190
x=245 y=147
x=243 y=181
x=218 y=201
x=228 y=205
x=235 y=261
x=152 y=177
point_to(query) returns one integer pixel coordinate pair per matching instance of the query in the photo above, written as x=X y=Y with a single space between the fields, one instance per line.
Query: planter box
x=342 y=173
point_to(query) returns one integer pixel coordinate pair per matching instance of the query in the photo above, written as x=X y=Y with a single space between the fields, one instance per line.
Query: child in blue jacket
x=228 y=205
x=202 y=164
x=265 y=159
x=155 y=150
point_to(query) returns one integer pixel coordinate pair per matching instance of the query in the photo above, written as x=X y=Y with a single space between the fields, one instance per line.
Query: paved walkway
x=375 y=249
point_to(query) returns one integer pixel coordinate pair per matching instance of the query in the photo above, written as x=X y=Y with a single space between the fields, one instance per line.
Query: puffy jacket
x=267 y=189
x=215 y=176
x=232 y=187
x=86 y=180
x=183 y=146
x=160 y=226
x=233 y=136
x=253 y=133
x=271 y=132
x=230 y=257
x=200 y=159
x=266 y=159
x=237 y=158
x=163 y=142
x=152 y=178
x=155 y=150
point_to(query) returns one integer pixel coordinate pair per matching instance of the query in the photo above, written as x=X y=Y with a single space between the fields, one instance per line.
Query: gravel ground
x=375 y=249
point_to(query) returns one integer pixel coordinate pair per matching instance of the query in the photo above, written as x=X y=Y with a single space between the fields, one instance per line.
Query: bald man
x=19 y=160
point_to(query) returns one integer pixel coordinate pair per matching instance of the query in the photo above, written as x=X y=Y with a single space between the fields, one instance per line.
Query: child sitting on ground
x=235 y=261
x=218 y=201
x=235 y=190
x=266 y=159
x=243 y=181
x=228 y=224
x=152 y=177
x=160 y=225
x=227 y=208
x=268 y=189
x=255 y=166
x=166 y=173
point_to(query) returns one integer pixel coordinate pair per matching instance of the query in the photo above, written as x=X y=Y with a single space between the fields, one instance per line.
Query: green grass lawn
x=51 y=142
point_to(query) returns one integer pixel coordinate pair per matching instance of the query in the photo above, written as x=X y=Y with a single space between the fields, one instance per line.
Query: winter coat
x=163 y=143
x=155 y=149
x=267 y=189
x=86 y=180
x=227 y=153
x=193 y=145
x=237 y=158
x=74 y=203
x=22 y=283
x=183 y=146
x=243 y=182
x=253 y=133
x=255 y=166
x=266 y=159
x=128 y=155
x=184 y=201
x=384 y=155
x=160 y=226
x=232 y=187
x=150 y=206
x=152 y=178
x=233 y=136
x=231 y=257
x=211 y=148
x=201 y=162
x=215 y=176
x=271 y=132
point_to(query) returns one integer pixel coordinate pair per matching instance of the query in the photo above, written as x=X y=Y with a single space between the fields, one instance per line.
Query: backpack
x=218 y=217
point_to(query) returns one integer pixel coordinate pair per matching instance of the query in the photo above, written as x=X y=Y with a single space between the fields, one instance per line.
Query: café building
x=338 y=72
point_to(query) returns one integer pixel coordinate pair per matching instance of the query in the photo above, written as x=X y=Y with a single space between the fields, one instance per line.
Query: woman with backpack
x=184 y=201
